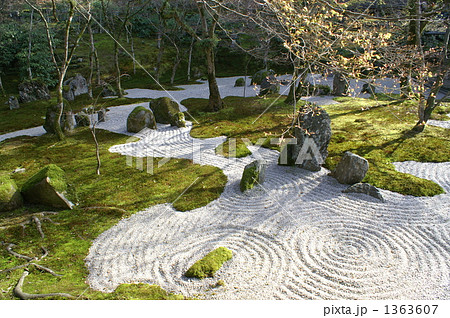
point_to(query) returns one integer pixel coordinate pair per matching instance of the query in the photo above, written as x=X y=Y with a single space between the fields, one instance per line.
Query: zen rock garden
x=170 y=150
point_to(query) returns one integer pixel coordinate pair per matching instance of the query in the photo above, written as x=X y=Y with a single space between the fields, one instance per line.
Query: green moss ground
x=123 y=188
x=378 y=130
x=210 y=264
x=236 y=121
x=5 y=186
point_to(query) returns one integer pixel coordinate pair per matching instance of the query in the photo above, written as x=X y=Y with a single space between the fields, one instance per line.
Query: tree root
x=104 y=208
x=38 y=225
x=18 y=292
x=30 y=261
x=10 y=251
x=45 y=269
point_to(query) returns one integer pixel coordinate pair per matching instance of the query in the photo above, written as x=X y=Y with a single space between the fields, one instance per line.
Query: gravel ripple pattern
x=296 y=236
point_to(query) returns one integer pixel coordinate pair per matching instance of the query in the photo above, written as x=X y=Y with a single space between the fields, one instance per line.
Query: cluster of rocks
x=47 y=187
x=351 y=170
x=162 y=110
x=75 y=86
x=31 y=91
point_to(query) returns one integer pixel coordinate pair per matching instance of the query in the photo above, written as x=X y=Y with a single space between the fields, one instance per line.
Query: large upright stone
x=167 y=111
x=31 y=91
x=312 y=136
x=340 y=85
x=50 y=118
x=75 y=86
x=10 y=197
x=254 y=173
x=47 y=187
x=351 y=169
x=139 y=119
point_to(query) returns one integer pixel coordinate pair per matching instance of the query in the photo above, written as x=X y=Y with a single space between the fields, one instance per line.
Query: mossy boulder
x=239 y=82
x=167 y=111
x=258 y=77
x=210 y=264
x=254 y=172
x=47 y=187
x=10 y=197
x=139 y=119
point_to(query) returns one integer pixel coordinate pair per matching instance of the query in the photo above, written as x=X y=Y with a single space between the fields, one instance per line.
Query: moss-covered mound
x=211 y=263
x=167 y=111
x=258 y=77
x=253 y=173
x=54 y=173
x=239 y=82
x=10 y=197
x=139 y=119
x=47 y=187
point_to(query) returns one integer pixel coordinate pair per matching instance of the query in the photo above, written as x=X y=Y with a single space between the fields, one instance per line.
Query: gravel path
x=295 y=237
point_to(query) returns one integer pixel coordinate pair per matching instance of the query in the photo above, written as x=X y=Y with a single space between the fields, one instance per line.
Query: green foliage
x=14 y=40
x=210 y=264
x=54 y=173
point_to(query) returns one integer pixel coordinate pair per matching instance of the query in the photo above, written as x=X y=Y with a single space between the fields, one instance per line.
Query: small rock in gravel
x=365 y=188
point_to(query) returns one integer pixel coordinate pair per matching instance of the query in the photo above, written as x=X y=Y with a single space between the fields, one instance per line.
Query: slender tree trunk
x=160 y=47
x=191 y=48
x=30 y=74
x=291 y=98
x=132 y=53
x=97 y=66
x=1 y=86
x=175 y=67
x=118 y=73
x=215 y=102
x=91 y=60
x=97 y=148
x=59 y=108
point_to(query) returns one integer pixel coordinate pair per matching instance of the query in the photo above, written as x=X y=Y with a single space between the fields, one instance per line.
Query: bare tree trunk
x=91 y=60
x=118 y=73
x=191 y=48
x=1 y=86
x=215 y=102
x=30 y=74
x=132 y=52
x=425 y=110
x=160 y=47
x=97 y=148
x=175 y=67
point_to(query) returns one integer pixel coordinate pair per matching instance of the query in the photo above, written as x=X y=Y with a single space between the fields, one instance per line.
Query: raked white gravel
x=294 y=237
